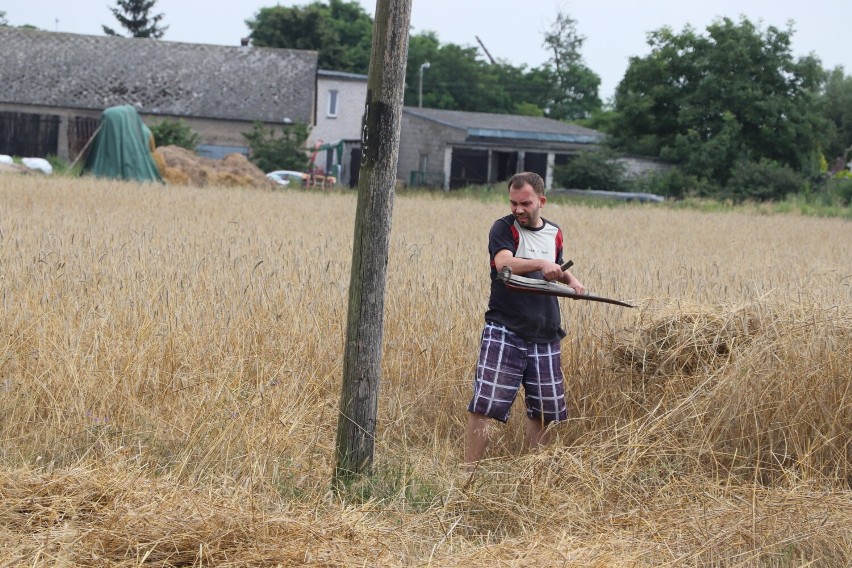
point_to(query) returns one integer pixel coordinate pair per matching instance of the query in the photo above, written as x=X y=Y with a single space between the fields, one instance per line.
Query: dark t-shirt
x=534 y=317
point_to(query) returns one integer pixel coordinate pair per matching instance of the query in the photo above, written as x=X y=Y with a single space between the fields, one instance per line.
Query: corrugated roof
x=509 y=126
x=158 y=77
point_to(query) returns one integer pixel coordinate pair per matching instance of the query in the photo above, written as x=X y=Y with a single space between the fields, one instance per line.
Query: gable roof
x=509 y=126
x=158 y=77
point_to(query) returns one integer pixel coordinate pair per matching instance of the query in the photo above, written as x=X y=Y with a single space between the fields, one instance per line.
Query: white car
x=286 y=177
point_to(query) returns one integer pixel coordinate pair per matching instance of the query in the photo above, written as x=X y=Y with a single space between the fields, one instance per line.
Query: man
x=521 y=340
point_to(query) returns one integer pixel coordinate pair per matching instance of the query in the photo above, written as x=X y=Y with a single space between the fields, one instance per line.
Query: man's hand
x=552 y=271
x=572 y=281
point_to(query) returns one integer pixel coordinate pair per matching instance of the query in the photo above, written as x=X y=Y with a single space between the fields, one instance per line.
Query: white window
x=332 y=102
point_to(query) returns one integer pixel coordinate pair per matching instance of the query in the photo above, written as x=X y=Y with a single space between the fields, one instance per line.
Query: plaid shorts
x=505 y=363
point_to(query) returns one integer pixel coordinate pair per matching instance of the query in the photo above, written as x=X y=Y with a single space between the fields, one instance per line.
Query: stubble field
x=171 y=358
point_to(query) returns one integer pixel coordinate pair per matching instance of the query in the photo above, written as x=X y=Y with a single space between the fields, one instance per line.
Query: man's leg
x=544 y=393
x=476 y=439
x=537 y=435
x=498 y=378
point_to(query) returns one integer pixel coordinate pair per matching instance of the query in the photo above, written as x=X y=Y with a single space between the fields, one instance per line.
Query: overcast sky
x=512 y=30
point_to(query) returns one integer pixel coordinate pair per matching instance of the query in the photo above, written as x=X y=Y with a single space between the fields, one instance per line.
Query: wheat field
x=171 y=359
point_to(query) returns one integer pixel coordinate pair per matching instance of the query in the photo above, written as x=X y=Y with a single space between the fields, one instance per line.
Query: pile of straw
x=117 y=516
x=184 y=167
x=687 y=338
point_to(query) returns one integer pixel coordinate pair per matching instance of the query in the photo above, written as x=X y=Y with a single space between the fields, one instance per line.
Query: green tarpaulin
x=121 y=148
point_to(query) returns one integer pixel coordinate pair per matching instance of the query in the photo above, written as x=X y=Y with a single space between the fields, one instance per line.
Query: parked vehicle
x=289 y=178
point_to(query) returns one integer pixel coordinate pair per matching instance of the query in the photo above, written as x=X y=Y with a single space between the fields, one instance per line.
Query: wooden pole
x=85 y=147
x=356 y=427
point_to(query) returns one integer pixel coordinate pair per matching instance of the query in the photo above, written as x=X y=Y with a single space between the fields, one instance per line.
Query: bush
x=175 y=133
x=839 y=189
x=285 y=152
x=763 y=181
x=593 y=169
x=676 y=184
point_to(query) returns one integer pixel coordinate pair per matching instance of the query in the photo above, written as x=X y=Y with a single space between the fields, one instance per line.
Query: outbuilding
x=55 y=86
x=452 y=149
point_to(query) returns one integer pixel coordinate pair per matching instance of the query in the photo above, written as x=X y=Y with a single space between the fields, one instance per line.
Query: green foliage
x=593 y=169
x=285 y=151
x=674 y=183
x=837 y=107
x=813 y=205
x=573 y=87
x=602 y=120
x=341 y=32
x=3 y=21
x=763 y=181
x=133 y=16
x=709 y=102
x=60 y=166
x=175 y=133
x=839 y=190
x=458 y=78
x=528 y=109
x=389 y=484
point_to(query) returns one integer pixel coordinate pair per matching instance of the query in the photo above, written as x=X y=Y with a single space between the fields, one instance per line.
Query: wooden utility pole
x=356 y=426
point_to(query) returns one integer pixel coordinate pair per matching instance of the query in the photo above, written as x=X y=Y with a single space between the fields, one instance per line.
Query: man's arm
x=550 y=270
x=571 y=280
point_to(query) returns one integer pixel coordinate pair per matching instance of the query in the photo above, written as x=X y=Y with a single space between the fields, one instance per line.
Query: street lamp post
x=420 y=91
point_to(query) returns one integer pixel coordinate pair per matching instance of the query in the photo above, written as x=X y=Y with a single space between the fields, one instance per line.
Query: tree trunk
x=356 y=427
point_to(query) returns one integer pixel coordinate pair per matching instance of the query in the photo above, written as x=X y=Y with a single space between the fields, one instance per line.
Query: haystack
x=184 y=167
x=687 y=339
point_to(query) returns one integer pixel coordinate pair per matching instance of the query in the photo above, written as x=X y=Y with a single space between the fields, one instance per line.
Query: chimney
x=244 y=42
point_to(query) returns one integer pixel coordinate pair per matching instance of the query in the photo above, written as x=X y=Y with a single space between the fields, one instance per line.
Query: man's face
x=526 y=203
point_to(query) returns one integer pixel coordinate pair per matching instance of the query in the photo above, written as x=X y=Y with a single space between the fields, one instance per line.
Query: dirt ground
x=16 y=168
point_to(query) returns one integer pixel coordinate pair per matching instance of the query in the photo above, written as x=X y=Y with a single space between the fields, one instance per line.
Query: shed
x=453 y=149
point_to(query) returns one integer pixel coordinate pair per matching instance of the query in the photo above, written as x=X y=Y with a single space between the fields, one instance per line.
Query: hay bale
x=234 y=170
x=160 y=162
x=176 y=176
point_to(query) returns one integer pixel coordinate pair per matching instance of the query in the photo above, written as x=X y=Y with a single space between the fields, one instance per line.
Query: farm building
x=441 y=148
x=335 y=139
x=451 y=149
x=55 y=86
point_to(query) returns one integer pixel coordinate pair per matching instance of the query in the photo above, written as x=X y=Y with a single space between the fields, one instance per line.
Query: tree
x=570 y=88
x=837 y=108
x=709 y=103
x=284 y=151
x=133 y=16
x=3 y=21
x=341 y=32
x=457 y=78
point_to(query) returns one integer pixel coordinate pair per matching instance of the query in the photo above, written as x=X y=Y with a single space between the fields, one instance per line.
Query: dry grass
x=170 y=362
